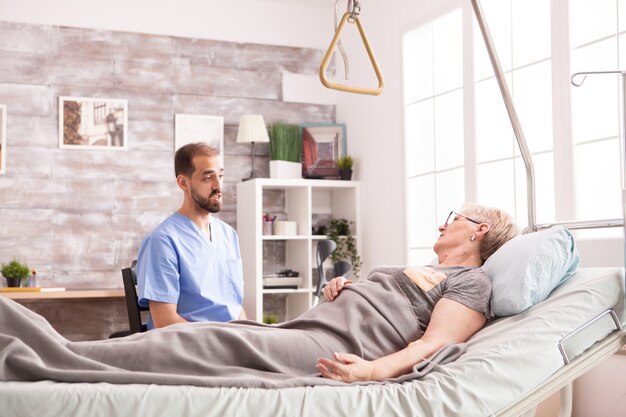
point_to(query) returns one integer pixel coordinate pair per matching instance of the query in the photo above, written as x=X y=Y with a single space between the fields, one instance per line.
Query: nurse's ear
x=183 y=182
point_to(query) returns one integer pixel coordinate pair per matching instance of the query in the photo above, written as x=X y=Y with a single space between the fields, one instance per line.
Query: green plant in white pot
x=15 y=272
x=285 y=150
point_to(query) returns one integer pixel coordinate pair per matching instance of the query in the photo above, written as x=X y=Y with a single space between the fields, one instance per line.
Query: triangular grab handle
x=342 y=87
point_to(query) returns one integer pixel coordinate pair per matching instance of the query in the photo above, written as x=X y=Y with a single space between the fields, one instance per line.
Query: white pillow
x=526 y=269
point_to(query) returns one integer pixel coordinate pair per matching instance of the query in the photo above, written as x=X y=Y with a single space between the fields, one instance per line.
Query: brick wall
x=78 y=216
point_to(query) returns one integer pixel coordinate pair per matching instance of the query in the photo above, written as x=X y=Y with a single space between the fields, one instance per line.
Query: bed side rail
x=588 y=334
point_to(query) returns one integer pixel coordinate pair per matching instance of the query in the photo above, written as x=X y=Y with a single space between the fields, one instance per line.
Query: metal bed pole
x=510 y=108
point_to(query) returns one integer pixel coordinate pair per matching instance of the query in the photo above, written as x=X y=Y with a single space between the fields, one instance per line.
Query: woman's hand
x=334 y=287
x=346 y=367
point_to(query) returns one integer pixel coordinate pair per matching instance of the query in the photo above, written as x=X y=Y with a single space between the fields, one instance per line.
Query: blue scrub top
x=178 y=264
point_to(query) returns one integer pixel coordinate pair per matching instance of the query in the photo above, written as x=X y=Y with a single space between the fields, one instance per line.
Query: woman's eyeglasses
x=455 y=216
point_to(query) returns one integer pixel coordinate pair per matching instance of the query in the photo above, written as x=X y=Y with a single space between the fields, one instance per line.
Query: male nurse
x=189 y=267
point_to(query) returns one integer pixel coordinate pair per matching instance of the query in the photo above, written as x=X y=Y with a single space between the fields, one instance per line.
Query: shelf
x=284 y=237
x=309 y=203
x=287 y=291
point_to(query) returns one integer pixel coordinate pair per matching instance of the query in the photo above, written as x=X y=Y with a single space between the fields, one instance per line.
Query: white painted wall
x=303 y=23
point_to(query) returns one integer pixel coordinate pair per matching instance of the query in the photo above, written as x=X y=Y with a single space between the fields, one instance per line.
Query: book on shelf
x=31 y=289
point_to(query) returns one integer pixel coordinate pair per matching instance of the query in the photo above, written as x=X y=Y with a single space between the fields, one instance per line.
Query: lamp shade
x=252 y=129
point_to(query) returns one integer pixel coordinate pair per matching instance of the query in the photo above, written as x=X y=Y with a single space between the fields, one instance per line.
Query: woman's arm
x=451 y=321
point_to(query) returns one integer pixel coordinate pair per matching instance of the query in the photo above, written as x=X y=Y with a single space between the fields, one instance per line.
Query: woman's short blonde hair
x=501 y=227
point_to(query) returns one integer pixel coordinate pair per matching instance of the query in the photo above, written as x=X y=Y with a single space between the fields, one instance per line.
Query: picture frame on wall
x=192 y=128
x=3 y=139
x=93 y=123
x=322 y=146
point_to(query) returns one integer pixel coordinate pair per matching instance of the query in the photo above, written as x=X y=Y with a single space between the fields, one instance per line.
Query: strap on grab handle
x=324 y=66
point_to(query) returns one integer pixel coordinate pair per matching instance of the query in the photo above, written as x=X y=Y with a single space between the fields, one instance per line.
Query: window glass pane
x=421 y=212
x=420 y=140
x=599 y=56
x=595 y=103
x=496 y=185
x=532 y=93
x=598 y=178
x=621 y=8
x=498 y=16
x=494 y=135
x=448 y=52
x=531 y=31
x=591 y=20
x=449 y=130
x=544 y=190
x=622 y=48
x=450 y=191
x=421 y=257
x=418 y=64
x=595 y=113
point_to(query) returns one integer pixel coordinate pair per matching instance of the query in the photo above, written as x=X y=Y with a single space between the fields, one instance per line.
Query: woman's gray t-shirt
x=424 y=286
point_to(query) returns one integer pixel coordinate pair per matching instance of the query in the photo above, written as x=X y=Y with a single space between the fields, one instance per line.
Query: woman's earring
x=473 y=237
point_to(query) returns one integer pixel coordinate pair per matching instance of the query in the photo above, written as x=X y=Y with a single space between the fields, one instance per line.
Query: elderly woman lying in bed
x=384 y=325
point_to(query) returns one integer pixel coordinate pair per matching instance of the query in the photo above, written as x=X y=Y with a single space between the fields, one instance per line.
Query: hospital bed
x=509 y=367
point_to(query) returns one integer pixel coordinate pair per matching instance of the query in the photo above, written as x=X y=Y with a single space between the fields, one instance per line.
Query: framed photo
x=191 y=128
x=322 y=146
x=93 y=123
x=3 y=139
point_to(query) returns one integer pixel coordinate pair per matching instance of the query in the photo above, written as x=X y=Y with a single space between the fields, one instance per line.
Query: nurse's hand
x=334 y=287
x=346 y=367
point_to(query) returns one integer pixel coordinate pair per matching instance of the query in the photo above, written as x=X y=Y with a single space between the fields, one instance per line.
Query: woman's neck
x=462 y=258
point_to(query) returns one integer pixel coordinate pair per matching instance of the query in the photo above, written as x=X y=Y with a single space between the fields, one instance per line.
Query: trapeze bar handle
x=346 y=88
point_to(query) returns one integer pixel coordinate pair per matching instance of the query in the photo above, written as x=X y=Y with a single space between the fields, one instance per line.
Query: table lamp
x=251 y=130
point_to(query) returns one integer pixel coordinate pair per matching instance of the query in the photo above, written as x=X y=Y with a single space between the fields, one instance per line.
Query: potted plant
x=15 y=272
x=285 y=150
x=339 y=231
x=345 y=167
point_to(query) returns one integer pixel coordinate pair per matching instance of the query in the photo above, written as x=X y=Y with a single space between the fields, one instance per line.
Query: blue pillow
x=526 y=269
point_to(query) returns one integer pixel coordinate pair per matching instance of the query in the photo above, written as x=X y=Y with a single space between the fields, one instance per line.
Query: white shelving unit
x=303 y=200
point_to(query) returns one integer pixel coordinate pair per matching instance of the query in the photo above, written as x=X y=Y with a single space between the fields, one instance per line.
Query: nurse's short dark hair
x=183 y=160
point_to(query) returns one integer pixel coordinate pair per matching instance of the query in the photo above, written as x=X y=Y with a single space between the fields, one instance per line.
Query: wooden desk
x=78 y=314
x=49 y=295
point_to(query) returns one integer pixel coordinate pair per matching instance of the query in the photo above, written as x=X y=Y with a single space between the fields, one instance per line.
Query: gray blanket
x=372 y=318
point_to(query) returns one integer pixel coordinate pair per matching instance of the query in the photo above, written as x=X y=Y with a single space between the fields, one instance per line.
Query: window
x=448 y=162
x=522 y=39
x=433 y=103
x=595 y=37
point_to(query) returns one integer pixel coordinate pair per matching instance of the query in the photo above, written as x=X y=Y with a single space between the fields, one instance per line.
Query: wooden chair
x=133 y=308
x=132 y=302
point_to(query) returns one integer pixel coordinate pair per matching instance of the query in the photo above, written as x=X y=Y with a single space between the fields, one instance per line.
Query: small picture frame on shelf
x=322 y=146
x=93 y=123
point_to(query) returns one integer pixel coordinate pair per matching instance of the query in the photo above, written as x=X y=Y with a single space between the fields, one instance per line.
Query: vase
x=13 y=282
x=345 y=174
x=285 y=169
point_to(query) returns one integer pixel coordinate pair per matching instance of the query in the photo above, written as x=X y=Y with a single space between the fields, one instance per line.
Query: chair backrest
x=324 y=248
x=341 y=268
x=132 y=303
